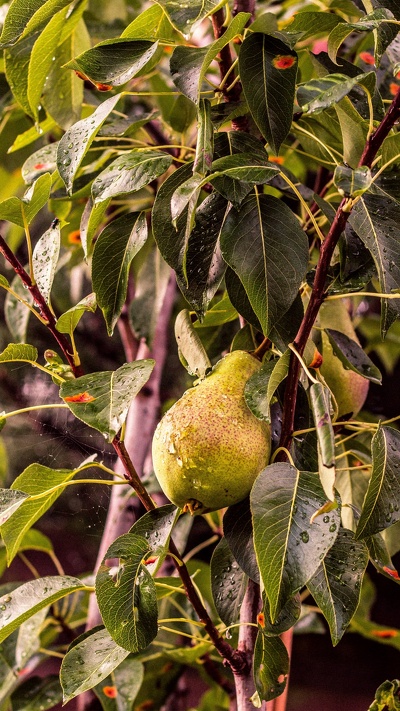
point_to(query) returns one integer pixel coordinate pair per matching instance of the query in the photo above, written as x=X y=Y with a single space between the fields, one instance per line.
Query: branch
x=244 y=6
x=40 y=302
x=318 y=293
x=244 y=681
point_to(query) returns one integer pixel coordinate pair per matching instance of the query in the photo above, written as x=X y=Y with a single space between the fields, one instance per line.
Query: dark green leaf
x=381 y=507
x=240 y=300
x=127 y=679
x=319 y=94
x=37 y=694
x=352 y=183
x=184 y=15
x=287 y=617
x=126 y=594
x=261 y=386
x=31 y=597
x=365 y=24
x=353 y=356
x=102 y=400
x=320 y=406
x=270 y=664
x=156 y=526
x=115 y=248
x=268 y=69
x=91 y=221
x=289 y=547
x=205 y=139
x=128 y=173
x=245 y=167
x=380 y=556
x=270 y=269
x=238 y=532
x=311 y=23
x=114 y=61
x=150 y=290
x=336 y=585
x=88 y=662
x=77 y=140
x=375 y=220
x=228 y=583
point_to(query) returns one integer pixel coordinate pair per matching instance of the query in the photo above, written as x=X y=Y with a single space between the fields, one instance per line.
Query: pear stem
x=318 y=294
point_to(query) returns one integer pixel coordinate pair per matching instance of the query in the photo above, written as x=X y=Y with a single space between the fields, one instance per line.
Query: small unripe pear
x=209 y=447
x=349 y=388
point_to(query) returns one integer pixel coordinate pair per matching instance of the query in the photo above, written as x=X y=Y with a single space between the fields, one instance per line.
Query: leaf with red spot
x=80 y=397
x=110 y=691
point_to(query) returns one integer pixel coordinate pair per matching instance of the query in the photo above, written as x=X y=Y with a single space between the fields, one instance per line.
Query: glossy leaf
x=270 y=666
x=91 y=221
x=27 y=16
x=32 y=201
x=31 y=597
x=45 y=259
x=127 y=678
x=353 y=356
x=228 y=583
x=89 y=661
x=191 y=349
x=286 y=619
x=308 y=24
x=150 y=290
x=77 y=140
x=156 y=527
x=37 y=694
x=336 y=585
x=42 y=161
x=102 y=400
x=365 y=24
x=10 y=501
x=319 y=94
x=268 y=69
x=375 y=220
x=114 y=61
x=115 y=248
x=352 y=183
x=271 y=270
x=16 y=313
x=238 y=532
x=381 y=508
x=380 y=556
x=128 y=173
x=35 y=479
x=126 y=594
x=184 y=15
x=260 y=387
x=320 y=406
x=19 y=352
x=17 y=60
x=289 y=547
x=151 y=24
x=69 y=320
x=205 y=139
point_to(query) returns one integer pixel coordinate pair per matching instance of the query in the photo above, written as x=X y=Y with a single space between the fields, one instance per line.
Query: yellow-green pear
x=209 y=447
x=349 y=388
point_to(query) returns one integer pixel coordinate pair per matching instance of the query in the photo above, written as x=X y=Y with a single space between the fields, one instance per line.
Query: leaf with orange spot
x=110 y=691
x=80 y=397
x=284 y=61
x=390 y=571
x=385 y=634
x=367 y=57
x=261 y=619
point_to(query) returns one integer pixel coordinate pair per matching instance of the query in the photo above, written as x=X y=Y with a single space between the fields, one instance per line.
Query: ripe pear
x=209 y=447
x=349 y=388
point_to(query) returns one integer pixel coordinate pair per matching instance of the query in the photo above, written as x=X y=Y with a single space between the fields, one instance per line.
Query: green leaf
x=228 y=583
x=386 y=697
x=268 y=69
x=63 y=91
x=45 y=259
x=310 y=24
x=375 y=220
x=336 y=585
x=189 y=65
x=184 y=15
x=238 y=532
x=10 y=501
x=114 y=61
x=197 y=262
x=31 y=597
x=91 y=220
x=42 y=161
x=352 y=183
x=381 y=508
x=126 y=594
x=270 y=664
x=16 y=313
x=78 y=139
x=88 y=662
x=129 y=172
x=261 y=386
x=69 y=320
x=115 y=248
x=35 y=197
x=151 y=24
x=127 y=678
x=205 y=139
x=319 y=94
x=150 y=289
x=246 y=167
x=19 y=352
x=380 y=556
x=27 y=16
x=288 y=547
x=365 y=24
x=353 y=356
x=270 y=269
x=286 y=619
x=35 y=479
x=32 y=134
x=102 y=400
x=190 y=347
x=320 y=406
x=17 y=60
x=28 y=637
x=42 y=58
x=37 y=694
x=156 y=526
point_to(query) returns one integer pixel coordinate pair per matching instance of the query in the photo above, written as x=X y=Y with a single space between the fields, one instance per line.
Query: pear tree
x=200 y=212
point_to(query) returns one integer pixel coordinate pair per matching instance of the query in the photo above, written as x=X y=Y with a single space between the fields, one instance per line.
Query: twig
x=244 y=6
x=244 y=681
x=43 y=307
x=318 y=293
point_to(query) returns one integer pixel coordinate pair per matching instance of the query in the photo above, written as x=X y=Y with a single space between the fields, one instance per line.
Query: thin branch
x=244 y=6
x=43 y=307
x=244 y=681
x=318 y=293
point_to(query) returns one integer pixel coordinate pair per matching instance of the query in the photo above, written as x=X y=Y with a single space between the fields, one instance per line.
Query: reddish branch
x=318 y=293
x=44 y=309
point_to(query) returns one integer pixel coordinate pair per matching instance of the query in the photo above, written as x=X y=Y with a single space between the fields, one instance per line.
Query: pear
x=209 y=447
x=349 y=388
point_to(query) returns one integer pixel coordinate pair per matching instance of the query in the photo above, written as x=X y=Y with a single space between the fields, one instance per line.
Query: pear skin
x=209 y=448
x=349 y=388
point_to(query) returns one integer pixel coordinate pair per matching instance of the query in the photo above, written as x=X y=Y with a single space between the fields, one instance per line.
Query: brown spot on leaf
x=282 y=61
x=80 y=397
